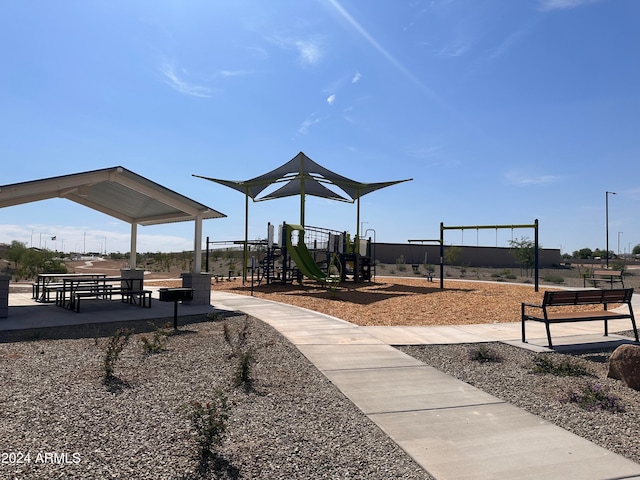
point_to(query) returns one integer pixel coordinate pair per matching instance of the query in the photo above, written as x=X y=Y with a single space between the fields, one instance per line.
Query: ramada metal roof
x=114 y=191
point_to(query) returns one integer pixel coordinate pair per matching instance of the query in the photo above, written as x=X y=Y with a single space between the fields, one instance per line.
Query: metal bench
x=604 y=276
x=137 y=297
x=572 y=298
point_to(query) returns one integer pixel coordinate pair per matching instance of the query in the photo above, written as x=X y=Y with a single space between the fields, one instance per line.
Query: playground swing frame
x=441 y=253
x=535 y=227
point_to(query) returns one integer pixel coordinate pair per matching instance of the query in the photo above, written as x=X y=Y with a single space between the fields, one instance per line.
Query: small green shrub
x=215 y=316
x=594 y=397
x=504 y=274
x=209 y=423
x=243 y=372
x=158 y=342
x=484 y=354
x=241 y=351
x=113 y=350
x=226 y=332
x=565 y=367
x=553 y=279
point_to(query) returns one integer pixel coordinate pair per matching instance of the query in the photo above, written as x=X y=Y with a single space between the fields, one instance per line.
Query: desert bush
x=594 y=397
x=209 y=424
x=244 y=369
x=241 y=351
x=484 y=354
x=565 y=367
x=158 y=342
x=215 y=316
x=553 y=279
x=504 y=274
x=113 y=350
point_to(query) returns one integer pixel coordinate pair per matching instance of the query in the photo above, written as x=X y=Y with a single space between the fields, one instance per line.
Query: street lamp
x=619 y=233
x=606 y=255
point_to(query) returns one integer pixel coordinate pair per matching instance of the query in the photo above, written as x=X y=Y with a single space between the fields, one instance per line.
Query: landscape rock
x=624 y=365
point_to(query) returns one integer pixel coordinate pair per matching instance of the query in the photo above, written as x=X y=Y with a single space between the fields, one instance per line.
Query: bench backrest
x=607 y=273
x=586 y=297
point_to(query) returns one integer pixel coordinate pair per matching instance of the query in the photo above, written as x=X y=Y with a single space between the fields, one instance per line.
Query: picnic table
x=48 y=283
x=73 y=289
x=129 y=289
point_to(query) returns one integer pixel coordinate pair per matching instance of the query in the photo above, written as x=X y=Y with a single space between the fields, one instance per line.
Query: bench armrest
x=525 y=304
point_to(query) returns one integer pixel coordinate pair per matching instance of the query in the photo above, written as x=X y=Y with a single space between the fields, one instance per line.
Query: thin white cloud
x=547 y=5
x=346 y=114
x=309 y=52
x=521 y=179
x=331 y=99
x=232 y=73
x=513 y=39
x=259 y=52
x=309 y=122
x=451 y=51
x=507 y=44
x=172 y=79
x=356 y=78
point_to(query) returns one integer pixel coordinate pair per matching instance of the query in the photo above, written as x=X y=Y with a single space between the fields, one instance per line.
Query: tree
x=452 y=255
x=29 y=262
x=603 y=253
x=15 y=253
x=523 y=251
x=636 y=250
x=583 y=253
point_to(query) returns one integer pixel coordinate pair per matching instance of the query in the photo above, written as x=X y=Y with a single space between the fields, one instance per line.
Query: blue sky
x=501 y=111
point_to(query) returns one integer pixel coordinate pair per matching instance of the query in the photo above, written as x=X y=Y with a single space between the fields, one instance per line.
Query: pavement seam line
x=452 y=407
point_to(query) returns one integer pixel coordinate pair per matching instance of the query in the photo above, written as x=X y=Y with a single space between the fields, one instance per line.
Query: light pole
x=606 y=254
x=619 y=233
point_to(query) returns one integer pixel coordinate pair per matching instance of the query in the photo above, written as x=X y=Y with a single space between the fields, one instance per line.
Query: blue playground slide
x=301 y=255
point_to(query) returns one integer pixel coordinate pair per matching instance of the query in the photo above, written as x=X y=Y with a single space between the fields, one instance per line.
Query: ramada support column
x=4 y=295
x=201 y=285
x=198 y=281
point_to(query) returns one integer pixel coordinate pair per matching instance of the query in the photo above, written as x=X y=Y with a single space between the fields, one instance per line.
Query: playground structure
x=320 y=254
x=302 y=176
x=484 y=227
x=440 y=242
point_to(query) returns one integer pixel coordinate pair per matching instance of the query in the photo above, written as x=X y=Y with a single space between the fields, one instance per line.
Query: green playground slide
x=301 y=255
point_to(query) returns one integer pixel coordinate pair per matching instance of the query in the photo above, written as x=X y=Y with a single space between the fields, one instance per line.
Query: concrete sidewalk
x=453 y=430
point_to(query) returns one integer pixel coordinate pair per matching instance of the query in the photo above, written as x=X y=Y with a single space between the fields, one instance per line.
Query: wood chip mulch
x=394 y=301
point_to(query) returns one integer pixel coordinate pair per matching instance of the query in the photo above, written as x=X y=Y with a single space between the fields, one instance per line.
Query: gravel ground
x=287 y=422
x=514 y=381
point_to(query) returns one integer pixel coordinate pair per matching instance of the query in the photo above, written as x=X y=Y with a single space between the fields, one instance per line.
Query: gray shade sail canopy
x=301 y=176
x=119 y=193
